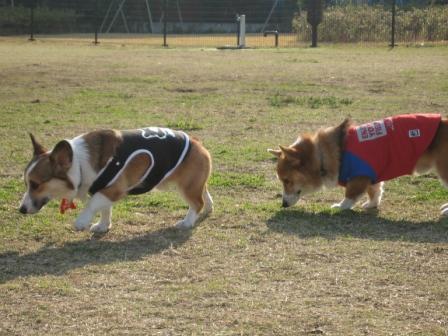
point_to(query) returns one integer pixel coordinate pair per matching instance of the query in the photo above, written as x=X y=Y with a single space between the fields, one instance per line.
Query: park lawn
x=252 y=268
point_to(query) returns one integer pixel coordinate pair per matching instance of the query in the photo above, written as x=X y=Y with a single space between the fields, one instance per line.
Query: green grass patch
x=185 y=125
x=312 y=102
x=229 y=179
x=430 y=190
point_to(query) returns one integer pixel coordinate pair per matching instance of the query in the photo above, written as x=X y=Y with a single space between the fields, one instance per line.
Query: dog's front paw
x=100 y=227
x=81 y=225
x=370 y=205
x=184 y=224
x=346 y=204
x=82 y=222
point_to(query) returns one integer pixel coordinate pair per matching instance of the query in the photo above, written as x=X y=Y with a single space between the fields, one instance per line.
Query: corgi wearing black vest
x=110 y=164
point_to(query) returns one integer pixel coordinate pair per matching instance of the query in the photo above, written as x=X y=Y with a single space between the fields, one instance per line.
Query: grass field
x=252 y=268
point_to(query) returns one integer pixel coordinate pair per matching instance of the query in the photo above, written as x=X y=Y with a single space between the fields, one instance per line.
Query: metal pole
x=165 y=19
x=242 y=31
x=392 y=38
x=33 y=4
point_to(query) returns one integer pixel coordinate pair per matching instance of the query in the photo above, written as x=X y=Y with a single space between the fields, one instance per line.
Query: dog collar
x=65 y=205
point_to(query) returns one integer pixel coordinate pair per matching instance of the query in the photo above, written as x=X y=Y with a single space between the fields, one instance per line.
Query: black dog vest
x=166 y=148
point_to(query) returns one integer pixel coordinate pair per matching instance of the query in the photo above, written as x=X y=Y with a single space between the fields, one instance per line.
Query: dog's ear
x=341 y=131
x=61 y=157
x=295 y=158
x=38 y=149
x=275 y=152
x=345 y=124
x=288 y=150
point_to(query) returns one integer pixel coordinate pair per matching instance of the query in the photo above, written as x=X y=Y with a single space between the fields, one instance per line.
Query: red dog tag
x=65 y=205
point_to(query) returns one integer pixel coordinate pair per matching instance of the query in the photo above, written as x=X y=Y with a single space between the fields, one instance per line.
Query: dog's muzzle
x=290 y=199
x=23 y=210
x=36 y=206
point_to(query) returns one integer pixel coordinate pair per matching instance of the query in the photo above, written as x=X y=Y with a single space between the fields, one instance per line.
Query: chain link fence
x=215 y=23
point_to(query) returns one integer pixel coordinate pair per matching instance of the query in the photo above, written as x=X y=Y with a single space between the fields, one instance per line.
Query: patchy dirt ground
x=252 y=268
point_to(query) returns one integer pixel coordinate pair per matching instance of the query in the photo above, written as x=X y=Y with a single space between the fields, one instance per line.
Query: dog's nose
x=23 y=209
x=285 y=204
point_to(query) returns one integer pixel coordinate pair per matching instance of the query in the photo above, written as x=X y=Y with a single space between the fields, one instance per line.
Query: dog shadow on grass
x=58 y=260
x=363 y=225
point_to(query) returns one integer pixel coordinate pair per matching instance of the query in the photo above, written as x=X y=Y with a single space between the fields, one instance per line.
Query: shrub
x=372 y=24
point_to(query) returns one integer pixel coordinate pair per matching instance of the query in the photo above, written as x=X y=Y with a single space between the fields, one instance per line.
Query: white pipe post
x=242 y=31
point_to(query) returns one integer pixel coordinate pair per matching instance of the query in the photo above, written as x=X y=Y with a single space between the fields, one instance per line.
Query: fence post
x=97 y=16
x=165 y=19
x=33 y=4
x=238 y=30
x=392 y=37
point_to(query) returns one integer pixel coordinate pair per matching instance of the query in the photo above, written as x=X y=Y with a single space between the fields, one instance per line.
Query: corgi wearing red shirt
x=360 y=158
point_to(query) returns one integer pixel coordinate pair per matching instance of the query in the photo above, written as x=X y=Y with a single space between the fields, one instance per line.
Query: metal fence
x=215 y=23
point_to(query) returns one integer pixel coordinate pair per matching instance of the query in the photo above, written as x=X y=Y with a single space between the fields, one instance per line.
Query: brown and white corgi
x=110 y=164
x=361 y=158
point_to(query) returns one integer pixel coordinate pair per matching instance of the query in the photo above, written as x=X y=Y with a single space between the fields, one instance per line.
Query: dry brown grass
x=251 y=268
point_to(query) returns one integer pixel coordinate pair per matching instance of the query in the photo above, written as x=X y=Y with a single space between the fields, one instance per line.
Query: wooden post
x=33 y=4
x=392 y=37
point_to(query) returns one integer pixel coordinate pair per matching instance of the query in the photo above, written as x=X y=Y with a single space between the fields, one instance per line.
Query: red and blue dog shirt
x=387 y=148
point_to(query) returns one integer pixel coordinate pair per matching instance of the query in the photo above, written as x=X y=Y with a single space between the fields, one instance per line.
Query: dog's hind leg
x=191 y=179
x=200 y=203
x=436 y=157
x=442 y=170
x=208 y=204
x=195 y=201
x=375 y=192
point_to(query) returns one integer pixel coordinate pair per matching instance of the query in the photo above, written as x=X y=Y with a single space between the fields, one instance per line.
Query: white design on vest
x=157 y=132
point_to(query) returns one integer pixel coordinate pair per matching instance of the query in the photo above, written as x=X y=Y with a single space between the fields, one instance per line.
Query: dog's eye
x=286 y=181
x=34 y=185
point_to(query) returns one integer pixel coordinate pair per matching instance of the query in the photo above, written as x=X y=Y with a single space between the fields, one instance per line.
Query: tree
x=315 y=12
